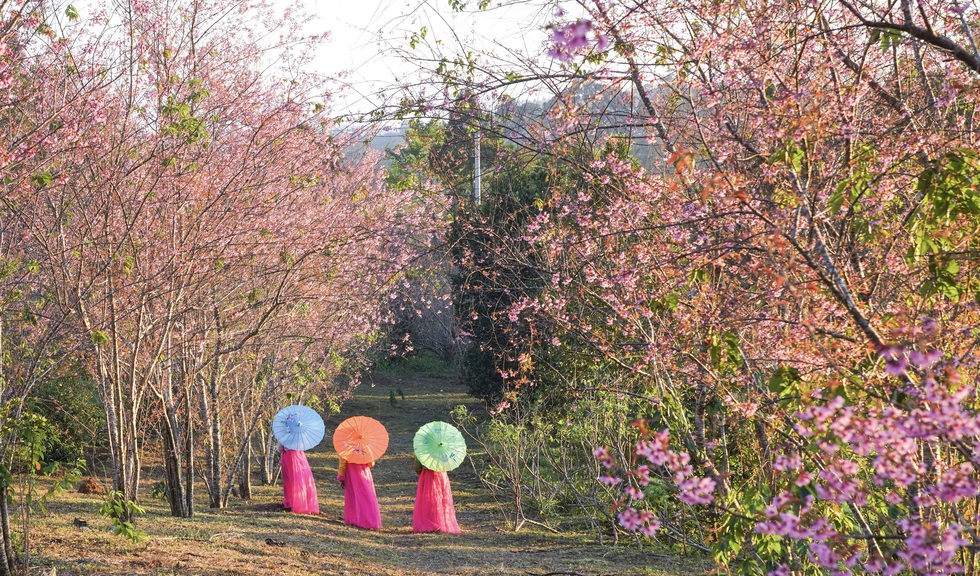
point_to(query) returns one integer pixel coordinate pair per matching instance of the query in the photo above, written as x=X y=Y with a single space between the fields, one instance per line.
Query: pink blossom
x=784 y=462
x=633 y=492
x=650 y=528
x=609 y=480
x=896 y=362
x=925 y=360
x=571 y=38
x=630 y=519
x=696 y=490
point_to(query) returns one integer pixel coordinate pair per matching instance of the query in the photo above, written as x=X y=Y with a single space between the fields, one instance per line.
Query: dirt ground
x=257 y=537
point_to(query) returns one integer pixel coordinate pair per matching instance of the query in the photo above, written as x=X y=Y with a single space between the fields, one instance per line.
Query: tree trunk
x=122 y=445
x=121 y=409
x=8 y=564
x=268 y=459
x=172 y=457
x=132 y=461
x=189 y=456
x=245 y=474
x=212 y=420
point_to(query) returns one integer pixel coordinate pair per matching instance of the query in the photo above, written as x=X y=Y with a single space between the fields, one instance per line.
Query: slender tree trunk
x=189 y=456
x=9 y=564
x=121 y=429
x=172 y=439
x=123 y=445
x=240 y=468
x=172 y=456
x=212 y=420
x=108 y=389
x=133 y=464
x=214 y=450
x=121 y=411
x=115 y=406
x=245 y=474
x=268 y=459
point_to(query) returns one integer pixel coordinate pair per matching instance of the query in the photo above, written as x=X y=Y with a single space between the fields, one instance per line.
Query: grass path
x=236 y=540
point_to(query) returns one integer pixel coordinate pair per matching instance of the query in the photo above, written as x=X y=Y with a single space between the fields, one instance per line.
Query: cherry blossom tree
x=206 y=214
x=35 y=333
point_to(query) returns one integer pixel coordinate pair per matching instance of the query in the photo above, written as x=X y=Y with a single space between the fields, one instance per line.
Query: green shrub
x=122 y=512
x=537 y=458
x=72 y=405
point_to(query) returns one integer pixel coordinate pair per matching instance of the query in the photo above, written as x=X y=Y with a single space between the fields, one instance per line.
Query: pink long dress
x=434 y=509
x=360 y=500
x=298 y=484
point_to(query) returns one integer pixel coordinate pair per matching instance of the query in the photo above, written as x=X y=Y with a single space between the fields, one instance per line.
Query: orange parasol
x=360 y=440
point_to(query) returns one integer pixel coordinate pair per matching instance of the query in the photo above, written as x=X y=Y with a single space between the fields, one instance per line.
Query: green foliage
x=487 y=280
x=34 y=436
x=42 y=179
x=944 y=225
x=122 y=512
x=100 y=337
x=480 y=374
x=858 y=184
x=950 y=188
x=537 y=458
x=71 y=403
x=483 y=285
x=64 y=475
x=724 y=351
x=409 y=164
x=182 y=124
x=784 y=380
x=740 y=547
x=31 y=437
x=417 y=37
x=886 y=39
x=160 y=491
x=461 y=5
x=791 y=155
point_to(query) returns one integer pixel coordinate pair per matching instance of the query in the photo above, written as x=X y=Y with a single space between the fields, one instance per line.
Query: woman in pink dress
x=434 y=509
x=360 y=500
x=298 y=484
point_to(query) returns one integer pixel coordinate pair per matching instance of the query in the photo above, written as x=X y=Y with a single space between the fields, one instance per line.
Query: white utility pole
x=476 y=167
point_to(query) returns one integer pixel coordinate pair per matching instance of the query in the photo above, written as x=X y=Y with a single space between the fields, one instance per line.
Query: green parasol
x=439 y=446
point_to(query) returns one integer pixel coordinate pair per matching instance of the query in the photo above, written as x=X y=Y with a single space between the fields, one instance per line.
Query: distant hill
x=380 y=140
x=613 y=114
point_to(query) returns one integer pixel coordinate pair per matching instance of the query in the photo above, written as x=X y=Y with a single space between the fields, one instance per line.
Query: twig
x=536 y=523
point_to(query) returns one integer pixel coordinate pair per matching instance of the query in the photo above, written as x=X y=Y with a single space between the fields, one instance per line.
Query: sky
x=369 y=39
x=367 y=36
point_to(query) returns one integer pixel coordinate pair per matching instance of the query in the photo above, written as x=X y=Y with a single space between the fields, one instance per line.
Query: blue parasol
x=298 y=427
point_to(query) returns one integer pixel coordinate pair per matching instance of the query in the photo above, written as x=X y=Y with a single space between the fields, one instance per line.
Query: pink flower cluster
x=890 y=454
x=656 y=450
x=930 y=549
x=642 y=521
x=691 y=489
x=570 y=39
